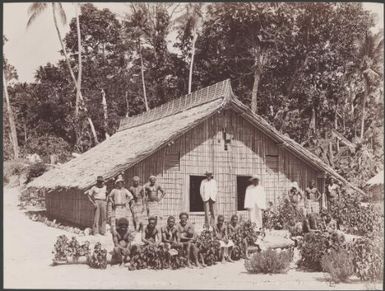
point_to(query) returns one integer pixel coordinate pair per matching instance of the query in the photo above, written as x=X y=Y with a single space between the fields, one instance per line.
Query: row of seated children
x=173 y=236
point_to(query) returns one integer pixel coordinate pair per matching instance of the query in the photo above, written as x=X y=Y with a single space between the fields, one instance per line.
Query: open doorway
x=242 y=183
x=196 y=203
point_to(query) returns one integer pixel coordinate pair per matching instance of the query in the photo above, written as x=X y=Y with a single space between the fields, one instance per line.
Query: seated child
x=150 y=234
x=186 y=237
x=122 y=242
x=220 y=233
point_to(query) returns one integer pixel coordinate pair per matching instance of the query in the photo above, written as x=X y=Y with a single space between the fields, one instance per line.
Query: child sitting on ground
x=226 y=245
x=122 y=238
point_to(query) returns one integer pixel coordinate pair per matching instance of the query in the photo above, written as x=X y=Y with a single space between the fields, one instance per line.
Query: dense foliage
x=98 y=259
x=311 y=68
x=244 y=235
x=270 y=261
x=70 y=250
x=208 y=247
x=286 y=216
x=339 y=264
x=368 y=258
x=355 y=217
x=317 y=244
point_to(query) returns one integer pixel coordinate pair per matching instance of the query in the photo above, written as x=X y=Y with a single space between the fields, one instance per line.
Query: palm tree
x=371 y=53
x=8 y=74
x=11 y=118
x=34 y=11
x=190 y=22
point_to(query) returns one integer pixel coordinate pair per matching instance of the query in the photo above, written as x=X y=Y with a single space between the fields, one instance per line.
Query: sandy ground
x=28 y=257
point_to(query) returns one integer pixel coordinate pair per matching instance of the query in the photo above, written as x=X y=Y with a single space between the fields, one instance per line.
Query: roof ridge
x=172 y=107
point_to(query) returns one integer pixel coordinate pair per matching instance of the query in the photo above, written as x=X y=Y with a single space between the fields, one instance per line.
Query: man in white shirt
x=208 y=191
x=98 y=197
x=255 y=201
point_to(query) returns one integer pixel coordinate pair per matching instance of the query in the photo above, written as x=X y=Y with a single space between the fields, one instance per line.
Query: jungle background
x=313 y=70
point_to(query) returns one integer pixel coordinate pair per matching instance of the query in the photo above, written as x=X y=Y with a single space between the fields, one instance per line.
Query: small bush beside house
x=270 y=261
x=339 y=264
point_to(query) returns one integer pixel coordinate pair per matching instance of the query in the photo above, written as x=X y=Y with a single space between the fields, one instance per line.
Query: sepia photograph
x=193 y=145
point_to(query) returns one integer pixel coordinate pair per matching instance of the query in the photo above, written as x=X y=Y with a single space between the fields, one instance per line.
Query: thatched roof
x=140 y=136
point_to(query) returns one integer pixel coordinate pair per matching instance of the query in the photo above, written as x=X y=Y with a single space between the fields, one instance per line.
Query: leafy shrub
x=156 y=257
x=269 y=261
x=368 y=258
x=98 y=260
x=339 y=264
x=245 y=233
x=208 y=247
x=354 y=217
x=35 y=170
x=315 y=245
x=285 y=217
x=65 y=249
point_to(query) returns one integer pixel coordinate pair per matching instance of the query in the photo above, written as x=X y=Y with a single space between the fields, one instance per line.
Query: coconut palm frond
x=63 y=16
x=35 y=10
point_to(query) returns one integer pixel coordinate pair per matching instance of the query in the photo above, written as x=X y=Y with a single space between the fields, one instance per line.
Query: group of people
x=173 y=236
x=136 y=203
x=313 y=201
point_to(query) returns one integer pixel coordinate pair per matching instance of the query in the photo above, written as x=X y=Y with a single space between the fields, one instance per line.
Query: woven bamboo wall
x=203 y=148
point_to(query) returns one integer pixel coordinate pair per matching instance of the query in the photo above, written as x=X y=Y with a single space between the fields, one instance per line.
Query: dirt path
x=27 y=259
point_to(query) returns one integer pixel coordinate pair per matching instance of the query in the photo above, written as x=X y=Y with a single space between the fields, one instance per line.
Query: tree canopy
x=309 y=68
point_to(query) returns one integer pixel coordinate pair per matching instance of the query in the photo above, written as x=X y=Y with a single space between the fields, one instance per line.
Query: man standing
x=255 y=201
x=313 y=197
x=120 y=199
x=209 y=191
x=333 y=192
x=138 y=206
x=97 y=196
x=296 y=198
x=151 y=195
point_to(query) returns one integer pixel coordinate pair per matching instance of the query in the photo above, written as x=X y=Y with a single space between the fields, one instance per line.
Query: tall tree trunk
x=254 y=92
x=143 y=82
x=25 y=131
x=192 y=61
x=12 y=124
x=363 y=115
x=105 y=113
x=127 y=105
x=72 y=73
x=79 y=62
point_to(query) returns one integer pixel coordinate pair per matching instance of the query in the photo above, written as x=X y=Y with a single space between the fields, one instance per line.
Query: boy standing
x=138 y=206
